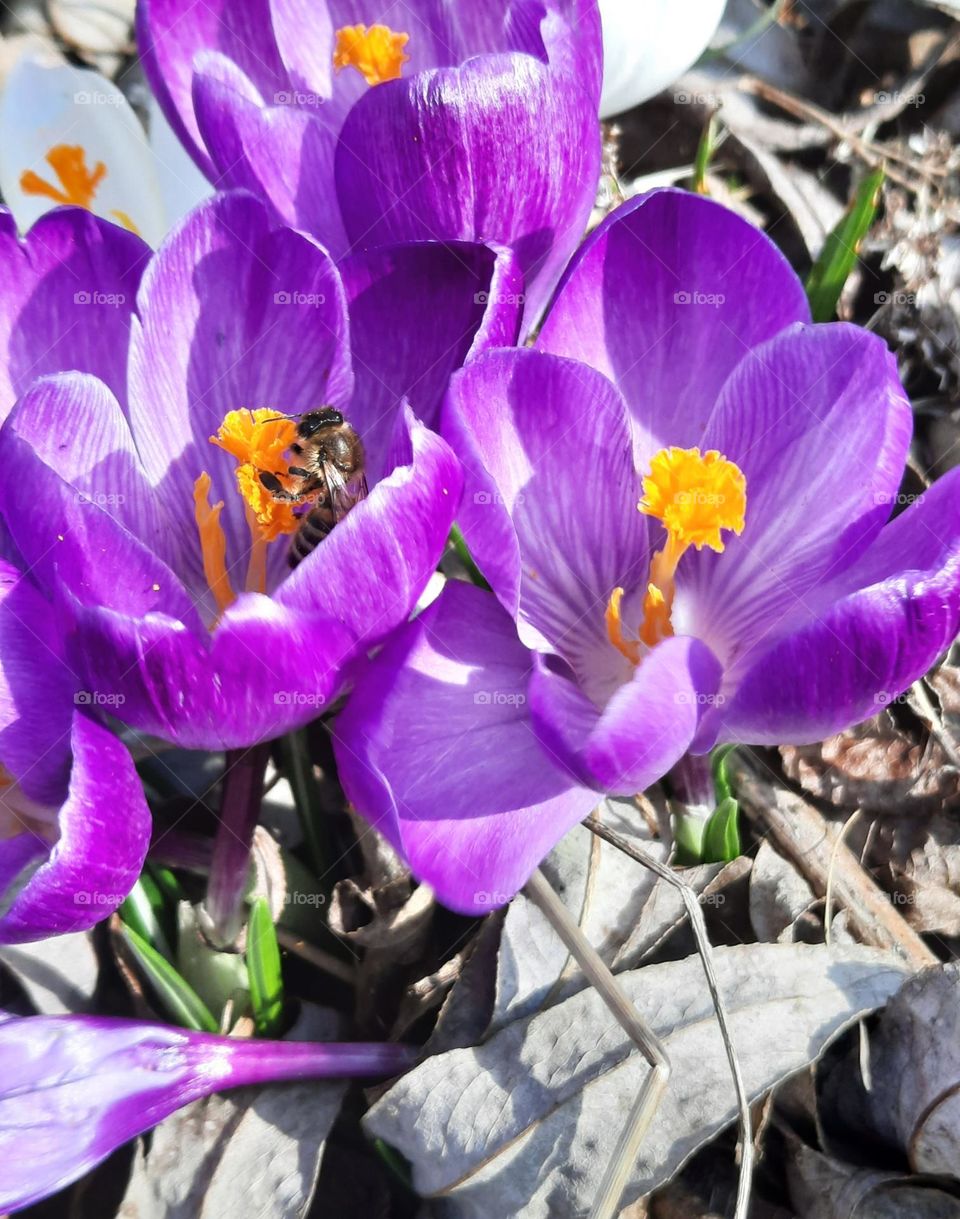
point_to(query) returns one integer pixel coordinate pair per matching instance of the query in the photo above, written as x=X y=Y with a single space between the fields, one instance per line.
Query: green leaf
x=263 y=969
x=721 y=834
x=839 y=252
x=721 y=775
x=688 y=837
x=179 y=998
x=297 y=765
x=466 y=558
x=705 y=149
x=143 y=912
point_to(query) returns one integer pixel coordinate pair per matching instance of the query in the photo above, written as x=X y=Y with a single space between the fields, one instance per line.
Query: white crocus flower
x=647 y=44
x=69 y=136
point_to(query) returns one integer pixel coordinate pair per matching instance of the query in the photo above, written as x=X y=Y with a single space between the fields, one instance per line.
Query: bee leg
x=298 y=472
x=274 y=485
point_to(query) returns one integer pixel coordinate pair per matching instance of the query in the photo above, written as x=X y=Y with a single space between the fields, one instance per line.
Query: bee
x=330 y=475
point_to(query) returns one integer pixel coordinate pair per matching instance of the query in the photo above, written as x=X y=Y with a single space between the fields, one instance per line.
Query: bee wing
x=343 y=495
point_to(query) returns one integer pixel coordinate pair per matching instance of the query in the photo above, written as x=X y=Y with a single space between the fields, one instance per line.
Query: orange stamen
x=213 y=543
x=695 y=496
x=79 y=184
x=375 y=51
x=125 y=222
x=259 y=440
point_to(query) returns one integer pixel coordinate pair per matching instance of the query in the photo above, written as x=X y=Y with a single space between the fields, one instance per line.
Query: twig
x=699 y=928
x=316 y=956
x=607 y=1203
x=803 y=836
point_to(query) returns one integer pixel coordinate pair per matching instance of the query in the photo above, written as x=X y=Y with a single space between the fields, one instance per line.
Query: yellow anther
x=78 y=184
x=629 y=647
x=259 y=440
x=695 y=495
x=213 y=543
x=375 y=51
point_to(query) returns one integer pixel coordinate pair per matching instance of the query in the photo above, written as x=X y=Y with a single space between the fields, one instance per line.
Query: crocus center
x=78 y=183
x=375 y=51
x=258 y=441
x=695 y=496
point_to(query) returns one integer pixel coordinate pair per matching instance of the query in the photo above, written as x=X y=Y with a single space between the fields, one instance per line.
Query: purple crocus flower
x=185 y=619
x=761 y=594
x=74 y=824
x=75 y=1088
x=367 y=124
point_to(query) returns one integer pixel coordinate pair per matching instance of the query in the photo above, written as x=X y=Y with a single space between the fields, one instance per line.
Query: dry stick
x=699 y=927
x=804 y=837
x=316 y=956
x=607 y=1203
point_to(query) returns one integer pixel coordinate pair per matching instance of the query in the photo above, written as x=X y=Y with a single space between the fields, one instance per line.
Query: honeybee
x=330 y=475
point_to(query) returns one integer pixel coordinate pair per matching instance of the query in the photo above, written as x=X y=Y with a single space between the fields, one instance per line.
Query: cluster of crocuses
x=680 y=494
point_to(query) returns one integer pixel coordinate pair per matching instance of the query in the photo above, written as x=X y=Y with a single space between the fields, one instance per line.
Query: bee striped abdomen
x=313 y=529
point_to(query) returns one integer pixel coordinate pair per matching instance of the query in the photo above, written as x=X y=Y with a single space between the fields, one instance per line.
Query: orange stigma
x=695 y=496
x=78 y=184
x=375 y=51
x=213 y=543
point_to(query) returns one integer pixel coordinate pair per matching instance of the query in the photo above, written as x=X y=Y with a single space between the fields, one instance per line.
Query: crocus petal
x=48 y=104
x=447 y=154
x=860 y=640
x=67 y=292
x=370 y=571
x=101 y=461
x=435 y=748
x=645 y=728
x=104 y=834
x=234 y=313
x=666 y=297
x=645 y=49
x=472 y=295
x=171 y=33
x=819 y=424
x=36 y=690
x=550 y=508
x=77 y=544
x=77 y=1087
x=281 y=152
x=265 y=671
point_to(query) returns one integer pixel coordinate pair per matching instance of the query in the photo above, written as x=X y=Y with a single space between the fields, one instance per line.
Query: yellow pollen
x=125 y=222
x=695 y=496
x=78 y=184
x=213 y=543
x=259 y=440
x=375 y=51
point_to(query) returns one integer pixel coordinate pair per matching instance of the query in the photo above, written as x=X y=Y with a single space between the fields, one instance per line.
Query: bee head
x=316 y=421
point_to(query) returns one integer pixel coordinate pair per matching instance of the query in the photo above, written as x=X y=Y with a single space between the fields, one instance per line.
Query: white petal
x=182 y=185
x=649 y=43
x=46 y=104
